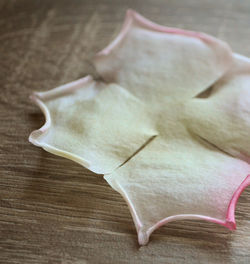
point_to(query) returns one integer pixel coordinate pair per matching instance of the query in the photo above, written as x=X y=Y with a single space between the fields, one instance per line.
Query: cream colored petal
x=224 y=117
x=173 y=180
x=154 y=62
x=96 y=125
x=167 y=151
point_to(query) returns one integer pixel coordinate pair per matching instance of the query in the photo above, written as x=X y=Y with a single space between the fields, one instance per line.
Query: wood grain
x=55 y=211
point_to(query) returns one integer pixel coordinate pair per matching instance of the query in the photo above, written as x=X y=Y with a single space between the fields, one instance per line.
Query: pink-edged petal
x=83 y=123
x=180 y=180
x=152 y=61
x=223 y=118
x=170 y=153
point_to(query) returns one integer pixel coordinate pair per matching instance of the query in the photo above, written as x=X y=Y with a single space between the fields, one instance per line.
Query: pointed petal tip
x=34 y=97
x=231 y=225
x=38 y=98
x=34 y=135
x=143 y=237
x=230 y=222
x=130 y=14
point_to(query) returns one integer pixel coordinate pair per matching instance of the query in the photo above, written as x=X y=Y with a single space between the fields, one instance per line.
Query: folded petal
x=96 y=125
x=223 y=118
x=153 y=61
x=186 y=180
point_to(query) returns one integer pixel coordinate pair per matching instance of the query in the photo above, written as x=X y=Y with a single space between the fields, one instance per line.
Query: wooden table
x=55 y=211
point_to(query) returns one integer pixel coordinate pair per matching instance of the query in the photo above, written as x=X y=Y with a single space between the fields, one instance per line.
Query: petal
x=186 y=180
x=83 y=123
x=153 y=61
x=223 y=118
x=166 y=150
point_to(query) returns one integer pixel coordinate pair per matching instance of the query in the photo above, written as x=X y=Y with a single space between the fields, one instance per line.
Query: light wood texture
x=55 y=211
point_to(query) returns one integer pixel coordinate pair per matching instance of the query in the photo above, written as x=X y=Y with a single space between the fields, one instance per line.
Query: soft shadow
x=58 y=188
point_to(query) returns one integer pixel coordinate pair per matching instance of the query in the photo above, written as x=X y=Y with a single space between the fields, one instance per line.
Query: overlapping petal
x=223 y=118
x=169 y=128
x=151 y=60
x=83 y=123
x=188 y=179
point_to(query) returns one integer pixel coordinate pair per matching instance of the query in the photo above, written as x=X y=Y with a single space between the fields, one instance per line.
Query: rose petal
x=163 y=147
x=83 y=123
x=152 y=61
x=223 y=118
x=185 y=179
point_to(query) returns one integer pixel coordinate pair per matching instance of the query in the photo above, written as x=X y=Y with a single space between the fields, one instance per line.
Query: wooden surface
x=55 y=211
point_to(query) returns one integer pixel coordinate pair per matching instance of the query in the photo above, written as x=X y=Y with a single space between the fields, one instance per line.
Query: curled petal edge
x=133 y=16
x=37 y=98
x=143 y=235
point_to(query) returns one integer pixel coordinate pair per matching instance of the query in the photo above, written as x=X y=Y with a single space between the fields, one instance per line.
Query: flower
x=169 y=129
